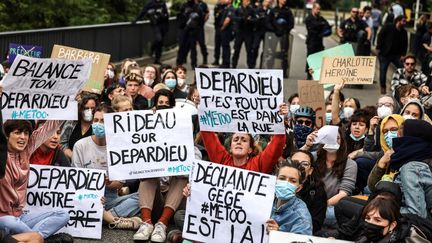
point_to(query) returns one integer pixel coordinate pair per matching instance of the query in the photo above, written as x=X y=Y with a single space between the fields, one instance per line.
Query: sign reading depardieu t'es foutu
x=240 y=100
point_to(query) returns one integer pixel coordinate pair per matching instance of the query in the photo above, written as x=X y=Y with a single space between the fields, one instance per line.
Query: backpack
x=419 y=229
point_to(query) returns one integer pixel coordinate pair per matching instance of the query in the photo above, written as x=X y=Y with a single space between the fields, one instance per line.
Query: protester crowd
x=373 y=185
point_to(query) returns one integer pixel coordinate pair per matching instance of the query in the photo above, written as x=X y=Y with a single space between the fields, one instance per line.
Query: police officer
x=245 y=19
x=263 y=24
x=226 y=33
x=317 y=27
x=354 y=30
x=156 y=11
x=189 y=20
x=283 y=22
x=217 y=12
x=201 y=33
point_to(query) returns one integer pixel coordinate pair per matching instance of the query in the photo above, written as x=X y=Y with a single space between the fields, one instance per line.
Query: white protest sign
x=77 y=190
x=327 y=135
x=143 y=144
x=228 y=204
x=37 y=88
x=283 y=237
x=240 y=100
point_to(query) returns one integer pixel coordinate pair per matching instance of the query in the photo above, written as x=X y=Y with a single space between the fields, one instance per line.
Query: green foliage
x=30 y=14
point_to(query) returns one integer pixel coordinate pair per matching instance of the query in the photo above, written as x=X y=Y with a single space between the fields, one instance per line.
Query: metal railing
x=121 y=40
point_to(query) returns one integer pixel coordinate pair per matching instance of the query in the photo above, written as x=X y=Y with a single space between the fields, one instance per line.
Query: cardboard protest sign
x=99 y=64
x=352 y=70
x=43 y=88
x=228 y=204
x=315 y=60
x=143 y=144
x=25 y=50
x=77 y=190
x=283 y=237
x=240 y=100
x=311 y=94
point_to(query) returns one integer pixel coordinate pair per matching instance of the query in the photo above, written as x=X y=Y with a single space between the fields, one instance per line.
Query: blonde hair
x=160 y=86
x=115 y=103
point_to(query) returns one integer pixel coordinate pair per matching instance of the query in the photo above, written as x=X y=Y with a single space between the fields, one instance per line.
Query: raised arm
x=215 y=150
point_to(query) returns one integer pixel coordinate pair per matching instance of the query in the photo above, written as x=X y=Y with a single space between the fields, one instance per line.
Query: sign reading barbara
x=79 y=191
x=240 y=100
x=351 y=70
x=228 y=204
x=143 y=144
x=99 y=64
x=37 y=88
x=25 y=50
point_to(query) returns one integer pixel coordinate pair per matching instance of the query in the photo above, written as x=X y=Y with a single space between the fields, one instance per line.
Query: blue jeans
x=330 y=219
x=415 y=180
x=124 y=206
x=45 y=224
x=364 y=167
x=384 y=62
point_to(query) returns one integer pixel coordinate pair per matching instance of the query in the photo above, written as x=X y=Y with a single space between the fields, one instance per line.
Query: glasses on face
x=393 y=129
x=388 y=104
x=409 y=63
x=356 y=12
x=305 y=122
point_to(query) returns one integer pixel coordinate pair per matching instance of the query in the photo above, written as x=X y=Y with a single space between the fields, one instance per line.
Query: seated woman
x=349 y=105
x=338 y=173
x=75 y=130
x=358 y=127
x=164 y=99
x=290 y=213
x=312 y=192
x=50 y=152
x=22 y=141
x=169 y=78
x=242 y=148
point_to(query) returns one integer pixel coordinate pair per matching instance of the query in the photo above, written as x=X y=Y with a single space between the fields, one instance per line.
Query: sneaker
x=126 y=223
x=159 y=233
x=174 y=236
x=60 y=238
x=144 y=231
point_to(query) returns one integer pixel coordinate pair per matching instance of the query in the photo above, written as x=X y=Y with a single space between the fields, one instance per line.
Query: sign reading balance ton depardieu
x=76 y=190
x=227 y=204
x=240 y=100
x=146 y=144
x=351 y=70
x=37 y=88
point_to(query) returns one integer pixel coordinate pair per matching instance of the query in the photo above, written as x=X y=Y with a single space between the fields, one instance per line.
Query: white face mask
x=88 y=115
x=348 y=112
x=110 y=73
x=293 y=108
x=148 y=82
x=331 y=148
x=408 y=117
x=181 y=82
x=384 y=111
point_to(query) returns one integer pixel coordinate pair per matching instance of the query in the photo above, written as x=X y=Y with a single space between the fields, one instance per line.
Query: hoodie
x=417 y=103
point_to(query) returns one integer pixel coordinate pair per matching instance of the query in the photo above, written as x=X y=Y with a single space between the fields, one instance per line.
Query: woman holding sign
x=242 y=152
x=22 y=141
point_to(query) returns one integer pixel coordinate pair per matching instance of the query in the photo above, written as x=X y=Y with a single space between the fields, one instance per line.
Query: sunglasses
x=410 y=63
x=305 y=122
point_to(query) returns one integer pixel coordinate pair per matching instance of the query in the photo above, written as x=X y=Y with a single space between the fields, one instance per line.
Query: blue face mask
x=356 y=139
x=170 y=83
x=328 y=117
x=285 y=190
x=388 y=137
x=98 y=130
x=300 y=134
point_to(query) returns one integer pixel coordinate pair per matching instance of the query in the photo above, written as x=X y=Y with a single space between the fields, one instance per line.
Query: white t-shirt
x=87 y=154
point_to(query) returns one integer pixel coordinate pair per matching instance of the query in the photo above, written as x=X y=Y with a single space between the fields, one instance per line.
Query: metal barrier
x=121 y=40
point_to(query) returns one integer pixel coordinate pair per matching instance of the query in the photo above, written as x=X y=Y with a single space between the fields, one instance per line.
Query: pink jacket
x=13 y=187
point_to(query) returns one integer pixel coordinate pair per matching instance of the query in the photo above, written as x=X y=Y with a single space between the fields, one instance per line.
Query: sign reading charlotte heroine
x=37 y=88
x=228 y=204
x=76 y=190
x=352 y=70
x=240 y=100
x=143 y=144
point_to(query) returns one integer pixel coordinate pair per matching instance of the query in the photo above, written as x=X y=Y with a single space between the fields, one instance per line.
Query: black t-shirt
x=351 y=28
x=77 y=135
